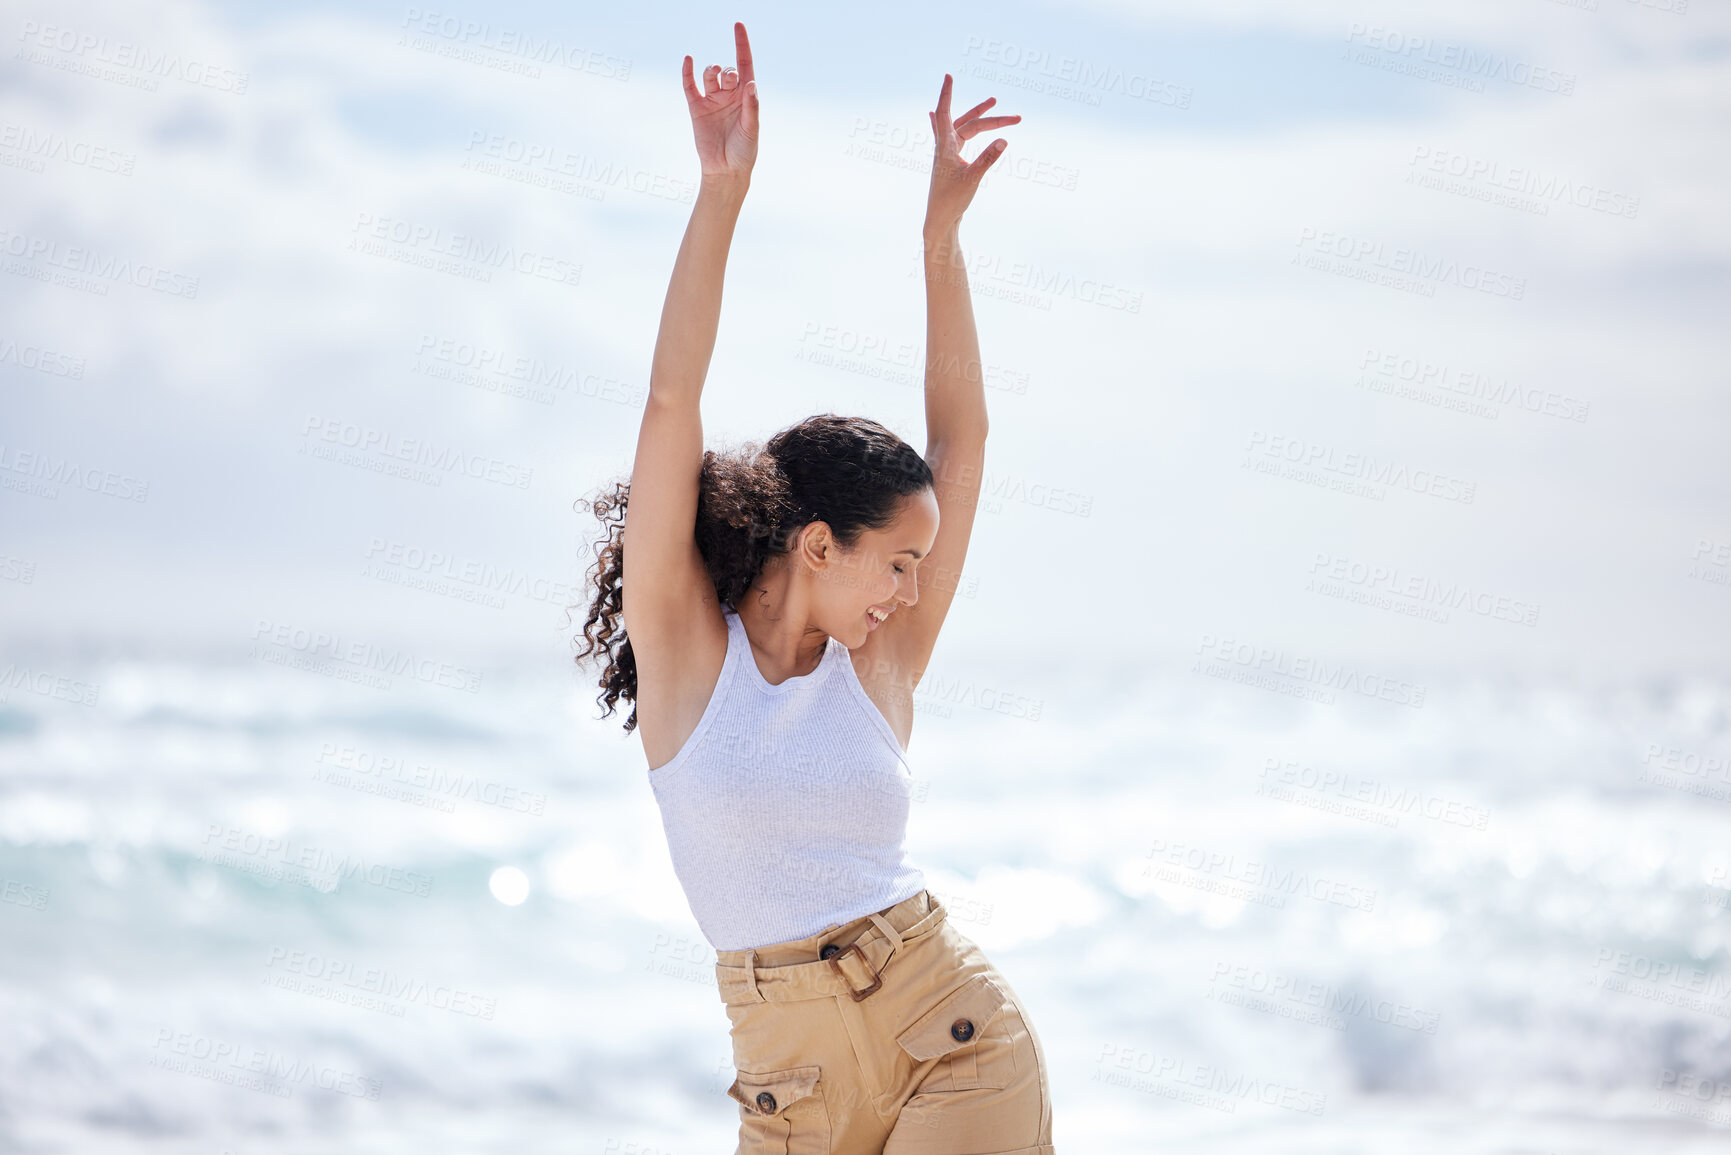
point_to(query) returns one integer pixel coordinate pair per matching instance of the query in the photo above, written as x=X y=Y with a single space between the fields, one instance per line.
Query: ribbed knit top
x=786 y=811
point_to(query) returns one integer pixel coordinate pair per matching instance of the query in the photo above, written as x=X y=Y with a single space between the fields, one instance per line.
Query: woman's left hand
x=953 y=179
x=724 y=113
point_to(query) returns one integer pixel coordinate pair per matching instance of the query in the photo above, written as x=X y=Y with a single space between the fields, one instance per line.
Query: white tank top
x=786 y=811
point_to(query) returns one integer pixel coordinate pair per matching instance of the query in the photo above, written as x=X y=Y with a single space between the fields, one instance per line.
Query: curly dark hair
x=848 y=472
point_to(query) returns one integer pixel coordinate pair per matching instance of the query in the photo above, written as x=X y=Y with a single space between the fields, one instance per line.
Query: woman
x=781 y=605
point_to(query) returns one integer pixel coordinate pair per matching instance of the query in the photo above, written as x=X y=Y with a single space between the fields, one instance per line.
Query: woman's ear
x=816 y=543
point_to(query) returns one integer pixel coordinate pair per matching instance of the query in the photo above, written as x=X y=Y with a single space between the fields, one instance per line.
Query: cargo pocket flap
x=978 y=1001
x=784 y=1088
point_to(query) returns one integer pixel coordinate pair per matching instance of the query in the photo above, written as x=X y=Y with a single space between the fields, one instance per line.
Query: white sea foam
x=1534 y=977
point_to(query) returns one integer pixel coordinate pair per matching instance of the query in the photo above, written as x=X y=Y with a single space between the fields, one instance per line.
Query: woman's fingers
x=728 y=92
x=970 y=122
x=742 y=50
x=976 y=110
x=988 y=156
x=748 y=112
x=691 y=92
x=974 y=127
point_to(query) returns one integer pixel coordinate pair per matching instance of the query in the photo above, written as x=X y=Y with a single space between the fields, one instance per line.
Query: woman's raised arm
x=665 y=585
x=955 y=381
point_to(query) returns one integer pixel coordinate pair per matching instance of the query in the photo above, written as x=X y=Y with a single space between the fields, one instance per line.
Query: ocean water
x=1289 y=302
x=254 y=908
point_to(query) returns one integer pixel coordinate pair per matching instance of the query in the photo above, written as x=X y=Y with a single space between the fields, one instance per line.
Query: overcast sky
x=1401 y=297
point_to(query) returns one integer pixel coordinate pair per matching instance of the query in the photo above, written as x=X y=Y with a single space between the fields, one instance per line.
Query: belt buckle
x=834 y=961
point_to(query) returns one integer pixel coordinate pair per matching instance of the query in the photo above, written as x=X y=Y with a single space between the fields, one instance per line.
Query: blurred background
x=1331 y=740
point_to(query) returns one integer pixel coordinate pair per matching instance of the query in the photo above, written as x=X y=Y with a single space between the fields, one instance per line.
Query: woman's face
x=877 y=577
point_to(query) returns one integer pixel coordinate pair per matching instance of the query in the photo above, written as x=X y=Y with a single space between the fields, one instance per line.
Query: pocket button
x=962 y=1030
x=828 y=951
x=766 y=1102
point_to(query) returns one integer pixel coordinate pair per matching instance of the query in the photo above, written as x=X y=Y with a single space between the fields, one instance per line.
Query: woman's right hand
x=724 y=114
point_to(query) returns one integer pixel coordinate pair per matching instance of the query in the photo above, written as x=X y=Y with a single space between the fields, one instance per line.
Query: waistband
x=790 y=971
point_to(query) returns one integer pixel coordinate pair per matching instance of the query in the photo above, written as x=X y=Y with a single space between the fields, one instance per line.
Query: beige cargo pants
x=891 y=1034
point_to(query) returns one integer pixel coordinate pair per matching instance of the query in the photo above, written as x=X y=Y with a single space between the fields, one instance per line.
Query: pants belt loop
x=751 y=975
x=889 y=932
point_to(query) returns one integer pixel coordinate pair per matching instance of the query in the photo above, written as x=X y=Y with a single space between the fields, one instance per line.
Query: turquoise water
x=249 y=909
